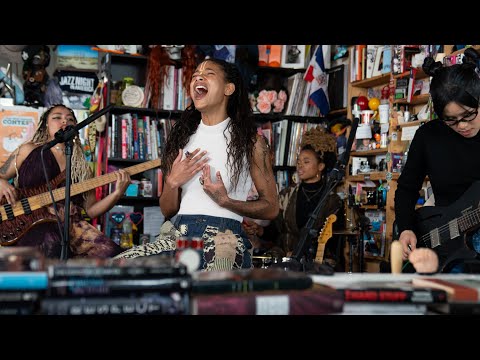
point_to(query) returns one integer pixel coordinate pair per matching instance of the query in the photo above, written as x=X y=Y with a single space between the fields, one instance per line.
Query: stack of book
x=256 y=291
x=379 y=294
x=144 y=285
x=463 y=292
x=23 y=280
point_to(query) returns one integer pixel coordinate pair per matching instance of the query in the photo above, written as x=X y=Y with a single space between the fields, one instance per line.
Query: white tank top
x=194 y=200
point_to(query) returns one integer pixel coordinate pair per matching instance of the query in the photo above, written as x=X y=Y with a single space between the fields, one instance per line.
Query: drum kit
x=291 y=264
x=266 y=261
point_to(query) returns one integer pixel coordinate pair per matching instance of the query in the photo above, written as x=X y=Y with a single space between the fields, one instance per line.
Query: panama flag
x=319 y=78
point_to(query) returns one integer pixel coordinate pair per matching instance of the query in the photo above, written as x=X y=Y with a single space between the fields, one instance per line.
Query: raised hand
x=7 y=191
x=123 y=180
x=215 y=189
x=184 y=170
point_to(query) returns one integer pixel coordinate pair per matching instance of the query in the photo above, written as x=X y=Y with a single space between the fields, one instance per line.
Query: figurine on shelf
x=36 y=58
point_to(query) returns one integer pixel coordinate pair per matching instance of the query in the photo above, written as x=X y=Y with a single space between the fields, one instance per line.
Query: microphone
x=71 y=131
x=61 y=136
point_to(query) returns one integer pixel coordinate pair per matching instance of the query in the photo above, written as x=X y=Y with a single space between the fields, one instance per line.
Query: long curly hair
x=80 y=169
x=242 y=127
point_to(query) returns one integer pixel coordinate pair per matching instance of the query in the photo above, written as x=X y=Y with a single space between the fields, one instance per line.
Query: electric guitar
x=444 y=228
x=324 y=236
x=17 y=219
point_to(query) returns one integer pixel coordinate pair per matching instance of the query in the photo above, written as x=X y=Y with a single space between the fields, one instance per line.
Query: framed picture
x=378 y=66
x=293 y=56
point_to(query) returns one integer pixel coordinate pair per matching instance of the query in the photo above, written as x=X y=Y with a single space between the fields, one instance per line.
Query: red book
x=287 y=302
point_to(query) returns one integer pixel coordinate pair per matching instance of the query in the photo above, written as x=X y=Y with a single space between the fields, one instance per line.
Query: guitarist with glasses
x=447 y=151
x=24 y=166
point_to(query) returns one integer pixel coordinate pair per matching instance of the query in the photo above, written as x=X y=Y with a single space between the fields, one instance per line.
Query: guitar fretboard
x=36 y=202
x=469 y=220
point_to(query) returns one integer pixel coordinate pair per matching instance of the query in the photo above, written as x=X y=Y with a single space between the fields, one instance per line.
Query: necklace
x=58 y=148
x=313 y=192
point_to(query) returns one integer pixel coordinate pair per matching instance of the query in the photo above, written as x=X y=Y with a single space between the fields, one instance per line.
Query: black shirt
x=451 y=161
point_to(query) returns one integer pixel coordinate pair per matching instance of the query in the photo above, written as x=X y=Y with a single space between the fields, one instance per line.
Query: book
x=115 y=287
x=459 y=289
x=154 y=266
x=20 y=302
x=21 y=258
x=28 y=280
x=246 y=280
x=378 y=64
x=357 y=308
x=390 y=292
x=387 y=59
x=411 y=83
x=147 y=304
x=336 y=85
x=279 y=302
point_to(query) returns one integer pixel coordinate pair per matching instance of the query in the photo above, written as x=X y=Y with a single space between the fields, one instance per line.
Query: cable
x=59 y=222
x=405 y=265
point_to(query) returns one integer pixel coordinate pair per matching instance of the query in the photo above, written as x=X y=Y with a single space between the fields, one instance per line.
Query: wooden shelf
x=461 y=51
x=369 y=152
x=127 y=161
x=158 y=112
x=420 y=74
x=136 y=199
x=419 y=99
x=372 y=257
x=373 y=81
x=374 y=176
x=280 y=116
x=369 y=207
x=338 y=112
x=411 y=123
x=284 y=71
x=125 y=55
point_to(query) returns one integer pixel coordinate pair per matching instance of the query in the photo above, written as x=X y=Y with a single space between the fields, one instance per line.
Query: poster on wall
x=17 y=125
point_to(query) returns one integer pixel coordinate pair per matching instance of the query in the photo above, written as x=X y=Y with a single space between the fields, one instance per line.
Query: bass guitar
x=444 y=228
x=17 y=219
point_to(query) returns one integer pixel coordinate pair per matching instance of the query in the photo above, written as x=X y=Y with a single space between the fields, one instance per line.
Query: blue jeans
x=207 y=228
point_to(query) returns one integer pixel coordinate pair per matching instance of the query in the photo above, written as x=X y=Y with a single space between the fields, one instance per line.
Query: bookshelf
x=286 y=127
x=371 y=180
x=400 y=134
x=133 y=134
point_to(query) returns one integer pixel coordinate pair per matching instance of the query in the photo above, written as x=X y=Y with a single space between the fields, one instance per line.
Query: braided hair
x=80 y=169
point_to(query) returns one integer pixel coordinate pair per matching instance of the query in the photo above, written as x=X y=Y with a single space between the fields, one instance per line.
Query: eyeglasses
x=467 y=118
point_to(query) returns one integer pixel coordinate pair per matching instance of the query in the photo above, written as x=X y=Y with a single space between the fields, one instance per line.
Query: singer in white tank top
x=212 y=156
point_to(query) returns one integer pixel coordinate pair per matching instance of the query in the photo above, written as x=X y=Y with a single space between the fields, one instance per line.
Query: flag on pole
x=317 y=75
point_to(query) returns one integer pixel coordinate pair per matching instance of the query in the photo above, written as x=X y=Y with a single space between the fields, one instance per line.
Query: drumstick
x=396 y=257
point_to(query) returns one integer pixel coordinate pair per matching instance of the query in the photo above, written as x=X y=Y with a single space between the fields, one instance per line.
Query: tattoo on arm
x=266 y=166
x=4 y=168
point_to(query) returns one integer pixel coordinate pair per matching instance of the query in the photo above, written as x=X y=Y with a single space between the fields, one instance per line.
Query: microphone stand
x=335 y=176
x=66 y=136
